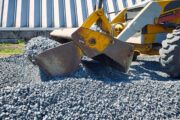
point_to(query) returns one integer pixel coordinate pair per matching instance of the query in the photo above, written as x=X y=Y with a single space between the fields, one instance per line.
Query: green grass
x=11 y=51
x=9 y=48
x=20 y=42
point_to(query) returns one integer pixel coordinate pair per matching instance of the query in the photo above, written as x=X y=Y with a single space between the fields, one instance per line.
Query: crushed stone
x=95 y=91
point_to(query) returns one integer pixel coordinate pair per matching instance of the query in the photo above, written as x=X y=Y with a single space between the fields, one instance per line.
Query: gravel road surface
x=95 y=91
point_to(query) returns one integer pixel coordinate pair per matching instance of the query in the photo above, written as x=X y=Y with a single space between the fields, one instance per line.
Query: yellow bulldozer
x=156 y=26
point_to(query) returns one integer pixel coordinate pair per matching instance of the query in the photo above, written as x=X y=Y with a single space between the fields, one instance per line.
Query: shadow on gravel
x=154 y=69
x=44 y=77
x=102 y=72
x=141 y=70
x=147 y=70
x=151 y=65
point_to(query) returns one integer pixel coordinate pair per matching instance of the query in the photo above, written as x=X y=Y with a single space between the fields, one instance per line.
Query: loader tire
x=170 y=54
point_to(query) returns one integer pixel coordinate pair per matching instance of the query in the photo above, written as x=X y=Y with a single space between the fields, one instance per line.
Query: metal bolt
x=92 y=41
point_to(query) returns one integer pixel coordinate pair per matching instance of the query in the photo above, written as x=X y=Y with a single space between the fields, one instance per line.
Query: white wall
x=53 y=13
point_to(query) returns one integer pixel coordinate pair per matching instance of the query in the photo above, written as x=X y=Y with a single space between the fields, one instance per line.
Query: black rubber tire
x=170 y=54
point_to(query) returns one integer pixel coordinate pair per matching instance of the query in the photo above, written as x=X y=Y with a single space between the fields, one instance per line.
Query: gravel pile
x=10 y=70
x=95 y=91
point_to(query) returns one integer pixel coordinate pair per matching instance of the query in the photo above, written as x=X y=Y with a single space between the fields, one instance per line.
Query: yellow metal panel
x=153 y=29
x=120 y=17
x=149 y=38
x=100 y=40
x=92 y=19
x=145 y=49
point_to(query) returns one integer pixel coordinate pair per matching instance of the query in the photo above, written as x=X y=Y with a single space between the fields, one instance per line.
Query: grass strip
x=13 y=51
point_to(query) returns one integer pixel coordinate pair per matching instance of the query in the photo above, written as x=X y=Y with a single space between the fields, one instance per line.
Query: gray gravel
x=95 y=91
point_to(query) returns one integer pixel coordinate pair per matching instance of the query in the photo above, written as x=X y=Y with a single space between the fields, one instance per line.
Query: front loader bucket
x=118 y=55
x=59 y=61
x=104 y=48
